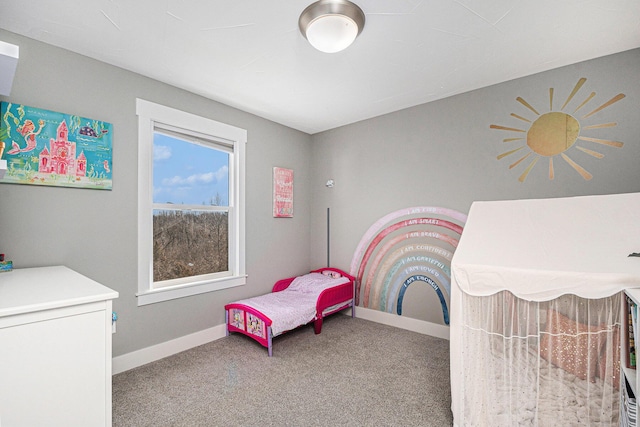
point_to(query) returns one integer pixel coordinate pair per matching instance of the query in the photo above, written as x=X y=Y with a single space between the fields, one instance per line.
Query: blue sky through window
x=188 y=173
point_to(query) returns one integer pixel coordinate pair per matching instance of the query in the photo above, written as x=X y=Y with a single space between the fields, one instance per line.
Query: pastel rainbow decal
x=413 y=245
x=385 y=299
x=422 y=278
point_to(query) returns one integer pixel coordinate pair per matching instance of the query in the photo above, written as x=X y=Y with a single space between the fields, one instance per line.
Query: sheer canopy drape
x=530 y=363
x=536 y=291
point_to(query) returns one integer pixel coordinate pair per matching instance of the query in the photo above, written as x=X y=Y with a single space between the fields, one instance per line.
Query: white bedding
x=296 y=305
x=555 y=398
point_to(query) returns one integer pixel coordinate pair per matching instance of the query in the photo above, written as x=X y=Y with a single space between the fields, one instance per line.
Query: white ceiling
x=250 y=54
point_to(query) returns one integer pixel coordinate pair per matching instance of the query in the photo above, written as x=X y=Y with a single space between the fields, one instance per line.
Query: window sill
x=153 y=296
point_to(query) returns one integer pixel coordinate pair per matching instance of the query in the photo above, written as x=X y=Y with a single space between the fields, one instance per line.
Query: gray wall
x=95 y=232
x=437 y=154
x=444 y=154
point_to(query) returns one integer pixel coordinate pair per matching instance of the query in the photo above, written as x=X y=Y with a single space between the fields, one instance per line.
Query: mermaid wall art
x=45 y=147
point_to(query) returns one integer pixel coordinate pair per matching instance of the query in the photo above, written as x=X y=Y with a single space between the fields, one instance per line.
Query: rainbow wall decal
x=404 y=247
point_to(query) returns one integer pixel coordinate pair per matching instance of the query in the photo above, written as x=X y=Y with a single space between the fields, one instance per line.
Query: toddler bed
x=293 y=302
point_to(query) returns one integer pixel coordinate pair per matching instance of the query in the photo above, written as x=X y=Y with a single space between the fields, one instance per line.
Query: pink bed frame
x=251 y=322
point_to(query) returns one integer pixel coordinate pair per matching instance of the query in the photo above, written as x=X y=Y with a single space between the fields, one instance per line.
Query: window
x=190 y=204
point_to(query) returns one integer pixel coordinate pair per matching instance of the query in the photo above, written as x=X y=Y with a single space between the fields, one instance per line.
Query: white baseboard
x=159 y=351
x=415 y=325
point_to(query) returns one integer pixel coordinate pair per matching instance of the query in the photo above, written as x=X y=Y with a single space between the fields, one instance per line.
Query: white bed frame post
x=353 y=300
x=226 y=323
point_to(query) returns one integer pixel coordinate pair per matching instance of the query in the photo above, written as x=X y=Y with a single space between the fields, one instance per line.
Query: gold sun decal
x=552 y=134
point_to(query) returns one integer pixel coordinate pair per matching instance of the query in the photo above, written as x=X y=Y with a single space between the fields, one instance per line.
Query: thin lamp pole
x=328 y=238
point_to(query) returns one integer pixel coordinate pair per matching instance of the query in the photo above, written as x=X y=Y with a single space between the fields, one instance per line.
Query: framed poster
x=282 y=193
x=45 y=147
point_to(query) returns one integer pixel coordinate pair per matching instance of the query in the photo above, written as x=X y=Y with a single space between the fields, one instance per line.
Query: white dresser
x=55 y=349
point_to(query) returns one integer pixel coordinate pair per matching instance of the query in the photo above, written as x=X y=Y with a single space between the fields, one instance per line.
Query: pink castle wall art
x=61 y=159
x=49 y=148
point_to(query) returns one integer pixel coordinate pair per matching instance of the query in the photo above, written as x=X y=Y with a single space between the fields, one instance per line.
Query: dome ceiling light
x=331 y=25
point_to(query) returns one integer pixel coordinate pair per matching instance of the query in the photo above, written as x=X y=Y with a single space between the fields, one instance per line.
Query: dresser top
x=27 y=290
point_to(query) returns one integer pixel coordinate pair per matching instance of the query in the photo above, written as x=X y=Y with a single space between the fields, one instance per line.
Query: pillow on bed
x=315 y=282
x=332 y=274
x=571 y=346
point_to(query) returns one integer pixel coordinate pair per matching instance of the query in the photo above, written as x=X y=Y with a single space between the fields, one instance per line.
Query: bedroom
x=441 y=153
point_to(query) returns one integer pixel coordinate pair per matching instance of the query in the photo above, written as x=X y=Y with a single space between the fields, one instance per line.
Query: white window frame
x=150 y=115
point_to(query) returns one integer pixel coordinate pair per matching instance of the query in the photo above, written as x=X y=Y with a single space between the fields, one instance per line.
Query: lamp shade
x=331 y=25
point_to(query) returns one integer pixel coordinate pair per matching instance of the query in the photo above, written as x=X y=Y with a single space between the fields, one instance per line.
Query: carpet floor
x=355 y=373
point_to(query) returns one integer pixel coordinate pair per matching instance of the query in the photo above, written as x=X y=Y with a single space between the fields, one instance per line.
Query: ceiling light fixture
x=331 y=25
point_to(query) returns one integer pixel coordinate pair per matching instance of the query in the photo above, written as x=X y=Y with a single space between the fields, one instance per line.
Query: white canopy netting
x=536 y=310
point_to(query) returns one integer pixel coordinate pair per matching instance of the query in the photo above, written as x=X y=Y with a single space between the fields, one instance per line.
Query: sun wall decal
x=553 y=133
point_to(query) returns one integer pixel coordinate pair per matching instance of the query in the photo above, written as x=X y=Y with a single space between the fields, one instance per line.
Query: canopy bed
x=536 y=310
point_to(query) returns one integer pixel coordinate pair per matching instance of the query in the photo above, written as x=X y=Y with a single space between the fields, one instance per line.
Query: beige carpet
x=355 y=373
